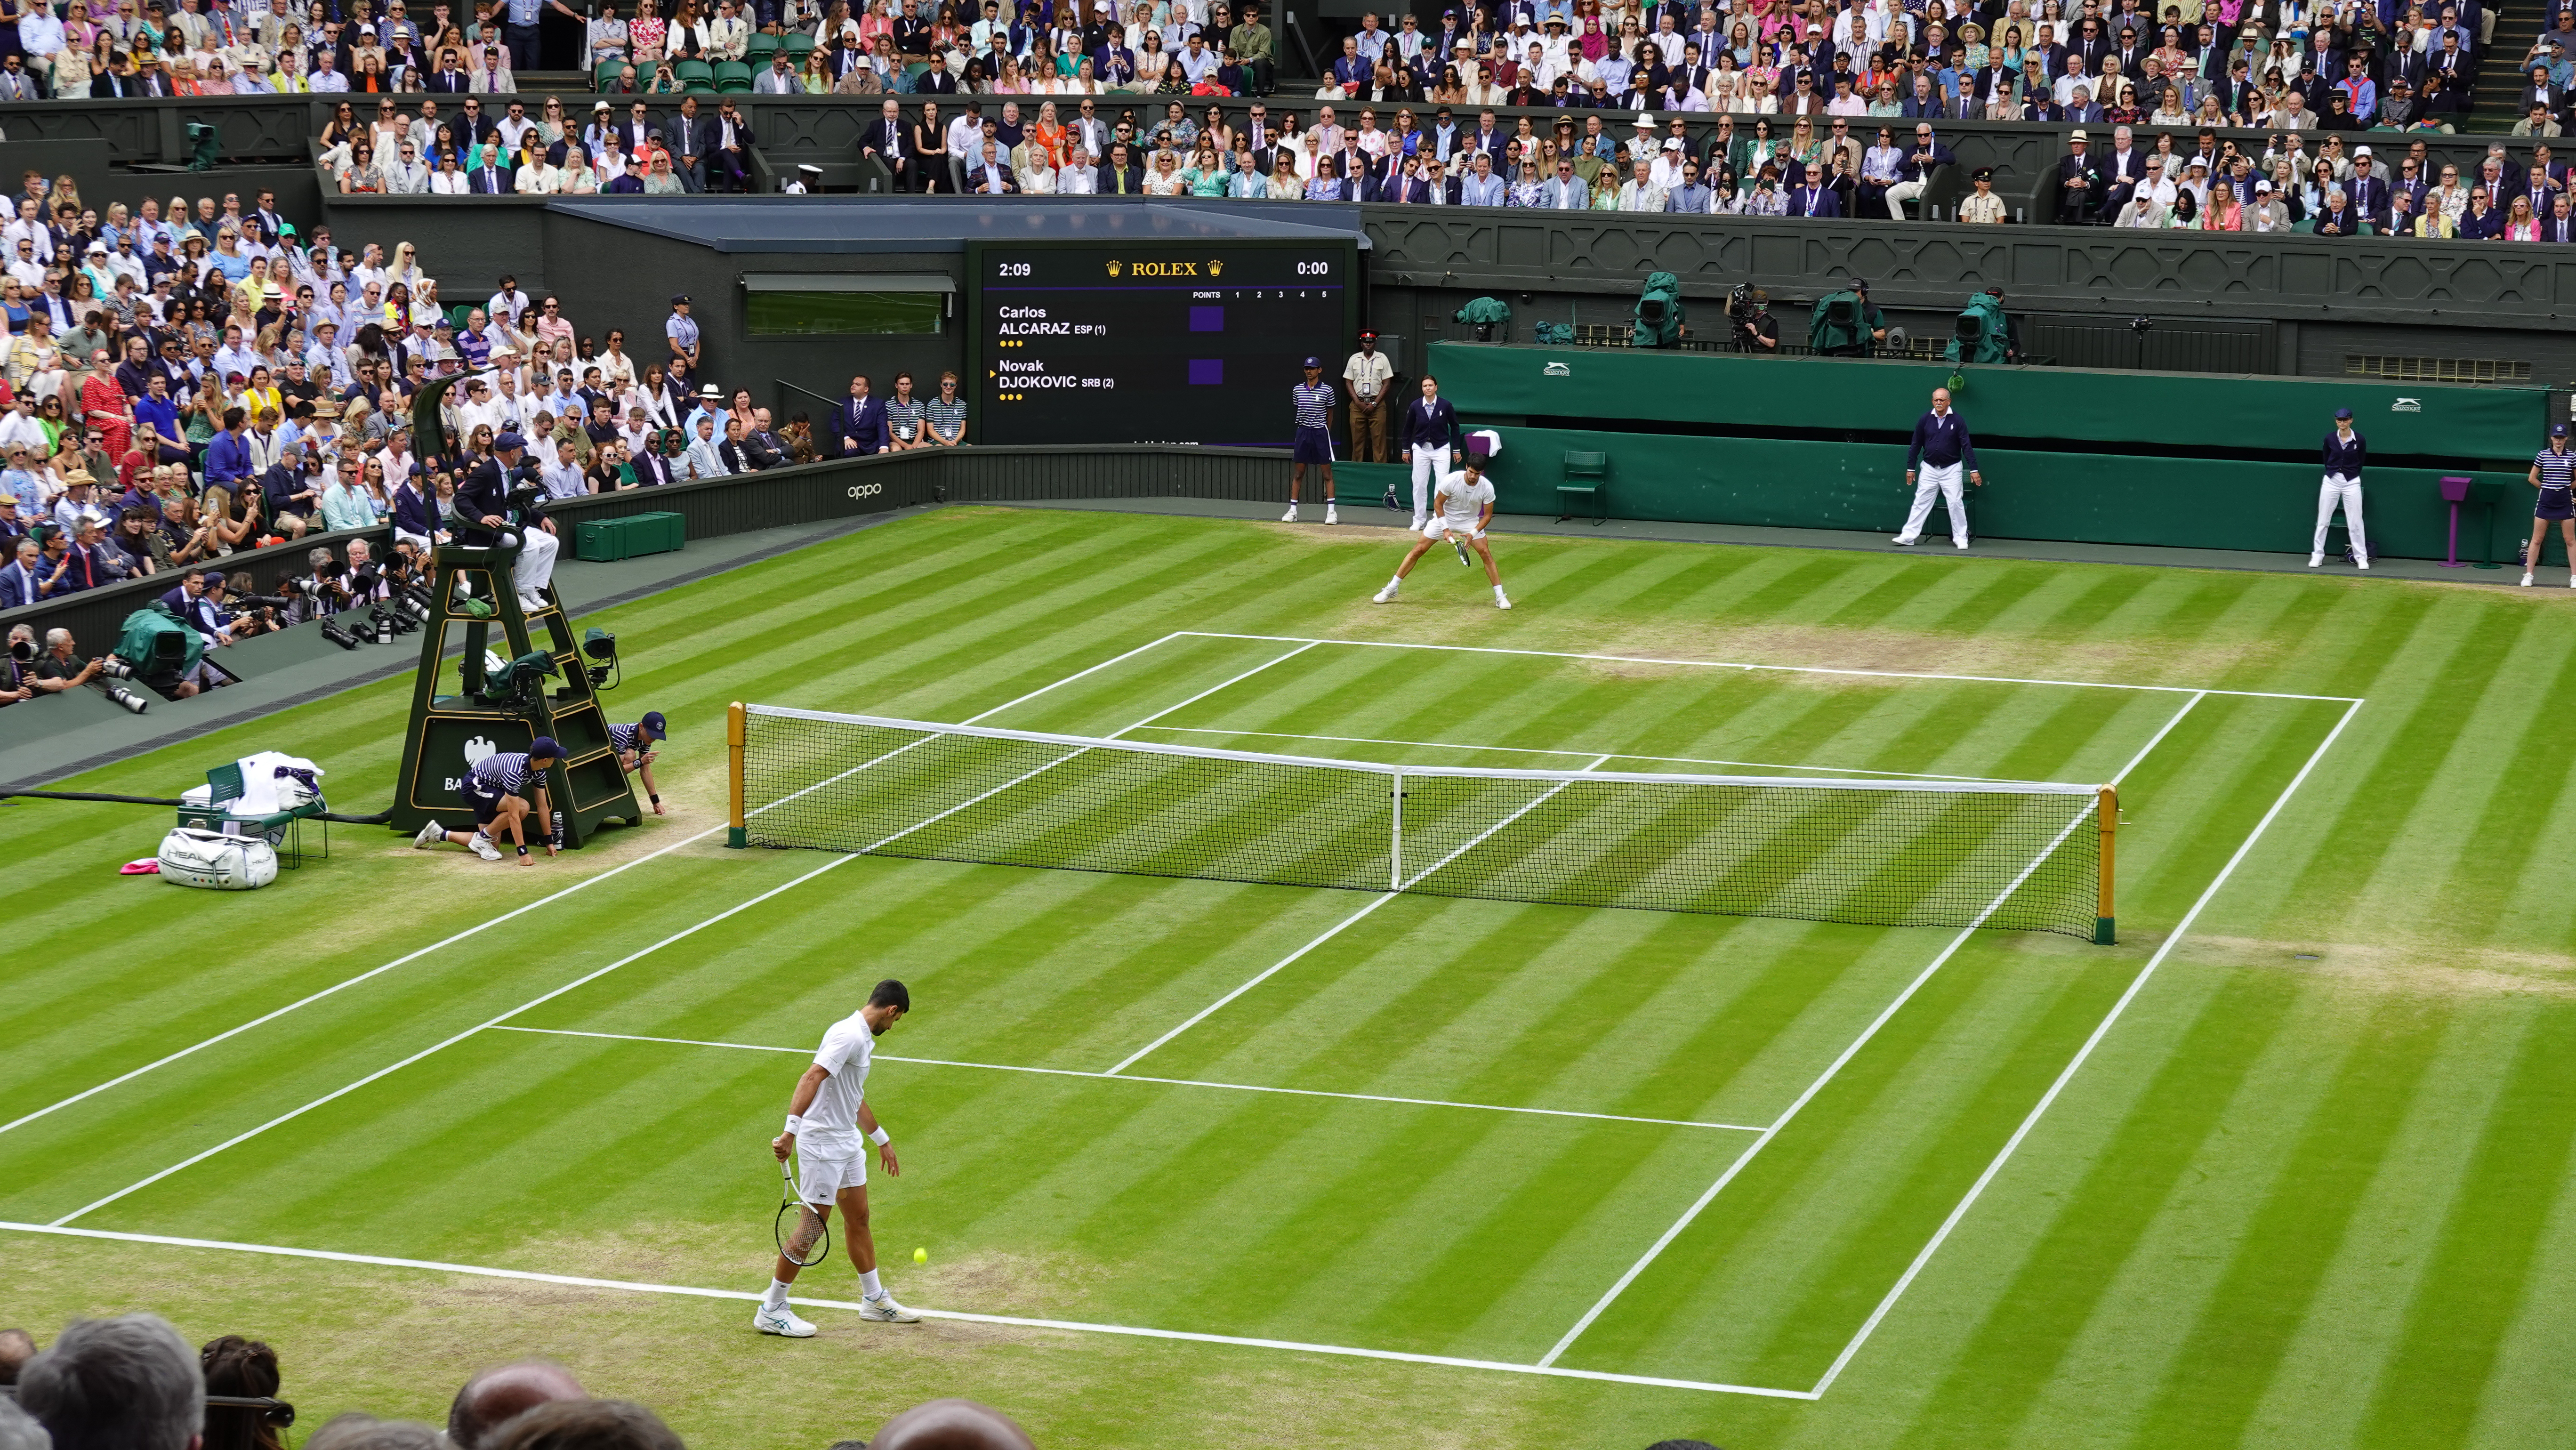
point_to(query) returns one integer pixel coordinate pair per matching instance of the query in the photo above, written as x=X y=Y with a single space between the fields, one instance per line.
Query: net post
x=1395 y=835
x=2106 y=805
x=736 y=835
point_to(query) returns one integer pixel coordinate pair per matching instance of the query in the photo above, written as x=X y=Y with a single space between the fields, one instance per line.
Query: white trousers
x=2338 y=489
x=536 y=566
x=1939 y=481
x=1428 y=465
x=1901 y=193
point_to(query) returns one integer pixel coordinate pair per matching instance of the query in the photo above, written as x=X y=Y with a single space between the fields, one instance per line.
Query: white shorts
x=1439 y=527
x=823 y=1178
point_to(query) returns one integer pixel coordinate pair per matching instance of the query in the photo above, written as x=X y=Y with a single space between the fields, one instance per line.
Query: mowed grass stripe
x=1727 y=1240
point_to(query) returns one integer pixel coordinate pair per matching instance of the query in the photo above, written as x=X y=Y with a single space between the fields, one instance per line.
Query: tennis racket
x=1460 y=545
x=790 y=1220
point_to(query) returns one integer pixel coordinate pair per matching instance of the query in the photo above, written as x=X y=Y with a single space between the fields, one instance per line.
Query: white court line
x=1532 y=750
x=1193 y=1082
x=2100 y=1031
x=1076 y=1326
x=1558 y=654
x=685 y=932
x=1836 y=1066
x=1337 y=928
x=580 y=885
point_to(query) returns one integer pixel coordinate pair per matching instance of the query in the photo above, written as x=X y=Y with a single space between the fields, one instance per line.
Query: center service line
x=580 y=885
x=684 y=933
x=1345 y=924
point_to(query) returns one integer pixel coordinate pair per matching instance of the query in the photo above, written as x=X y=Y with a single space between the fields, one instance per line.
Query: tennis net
x=2014 y=855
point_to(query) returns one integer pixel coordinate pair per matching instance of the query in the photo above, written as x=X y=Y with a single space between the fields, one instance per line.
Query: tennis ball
x=921 y=1256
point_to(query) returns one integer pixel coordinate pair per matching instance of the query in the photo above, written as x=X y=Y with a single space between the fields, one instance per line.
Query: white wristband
x=795 y=1125
x=879 y=1136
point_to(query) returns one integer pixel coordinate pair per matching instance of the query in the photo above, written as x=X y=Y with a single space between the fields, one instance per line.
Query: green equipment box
x=601 y=540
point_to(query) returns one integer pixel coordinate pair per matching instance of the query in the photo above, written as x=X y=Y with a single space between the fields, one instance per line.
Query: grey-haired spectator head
x=129 y=1383
x=19 y=1430
x=952 y=1425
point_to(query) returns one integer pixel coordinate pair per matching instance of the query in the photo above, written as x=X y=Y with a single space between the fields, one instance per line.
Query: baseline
x=580 y=1281
x=1239 y=1087
x=835 y=863
x=1559 y=654
x=510 y=915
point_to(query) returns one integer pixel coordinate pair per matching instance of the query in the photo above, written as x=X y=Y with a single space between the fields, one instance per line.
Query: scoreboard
x=1156 y=341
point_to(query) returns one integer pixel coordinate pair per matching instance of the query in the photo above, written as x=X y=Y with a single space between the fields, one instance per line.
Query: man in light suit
x=1565 y=191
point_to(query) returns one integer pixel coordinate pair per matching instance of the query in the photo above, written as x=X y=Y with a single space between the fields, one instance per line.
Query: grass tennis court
x=1381 y=1167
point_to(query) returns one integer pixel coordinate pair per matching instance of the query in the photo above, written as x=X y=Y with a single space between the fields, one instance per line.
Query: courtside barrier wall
x=2191 y=412
x=2073 y=497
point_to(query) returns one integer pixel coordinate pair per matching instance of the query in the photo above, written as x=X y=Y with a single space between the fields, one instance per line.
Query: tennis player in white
x=825 y=1116
x=1462 y=504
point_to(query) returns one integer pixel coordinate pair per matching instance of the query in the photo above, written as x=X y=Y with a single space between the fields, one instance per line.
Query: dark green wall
x=2084 y=498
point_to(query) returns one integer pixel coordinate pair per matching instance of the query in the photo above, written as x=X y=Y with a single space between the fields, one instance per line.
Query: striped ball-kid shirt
x=1314 y=404
x=2557 y=470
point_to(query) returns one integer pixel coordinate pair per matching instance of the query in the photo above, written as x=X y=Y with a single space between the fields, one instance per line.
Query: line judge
x=1940 y=452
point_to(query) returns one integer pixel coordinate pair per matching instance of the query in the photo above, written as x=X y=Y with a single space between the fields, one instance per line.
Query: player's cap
x=544 y=746
x=1314 y=362
x=507 y=442
x=2343 y=415
x=652 y=724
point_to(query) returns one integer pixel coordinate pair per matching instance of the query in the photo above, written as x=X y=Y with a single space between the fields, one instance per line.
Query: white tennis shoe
x=781 y=1320
x=1289 y=517
x=433 y=833
x=2316 y=560
x=1387 y=595
x=883 y=1310
x=1501 y=601
x=2571 y=580
x=484 y=848
x=1331 y=514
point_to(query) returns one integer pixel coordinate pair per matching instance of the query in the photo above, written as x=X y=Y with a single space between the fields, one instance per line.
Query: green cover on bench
x=604 y=540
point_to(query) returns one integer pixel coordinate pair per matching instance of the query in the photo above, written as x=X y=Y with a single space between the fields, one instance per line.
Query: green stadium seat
x=1584 y=475
x=691 y=73
x=755 y=51
x=797 y=43
x=604 y=74
x=732 y=77
x=915 y=68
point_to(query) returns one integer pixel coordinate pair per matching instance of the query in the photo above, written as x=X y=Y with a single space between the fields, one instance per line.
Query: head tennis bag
x=190 y=857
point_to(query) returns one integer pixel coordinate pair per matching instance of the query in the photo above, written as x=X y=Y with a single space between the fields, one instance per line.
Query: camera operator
x=1748 y=313
x=59 y=668
x=366 y=577
x=326 y=582
x=490 y=499
x=15 y=684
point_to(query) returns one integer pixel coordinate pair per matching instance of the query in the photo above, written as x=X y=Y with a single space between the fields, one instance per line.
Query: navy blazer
x=864 y=420
x=1827 y=202
x=1431 y=425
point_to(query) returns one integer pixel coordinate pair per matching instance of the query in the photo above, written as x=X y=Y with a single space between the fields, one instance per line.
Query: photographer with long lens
x=61 y=668
x=491 y=505
x=1749 y=320
x=16 y=683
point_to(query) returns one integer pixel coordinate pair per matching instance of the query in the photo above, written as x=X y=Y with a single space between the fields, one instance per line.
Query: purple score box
x=1207 y=319
x=1207 y=372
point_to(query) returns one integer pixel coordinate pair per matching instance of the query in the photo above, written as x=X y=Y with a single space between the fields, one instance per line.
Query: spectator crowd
x=178 y=387
x=131 y=1383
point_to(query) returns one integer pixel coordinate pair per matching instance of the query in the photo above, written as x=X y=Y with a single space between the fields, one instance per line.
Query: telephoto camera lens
x=338 y=636
x=125 y=697
x=384 y=626
x=114 y=668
